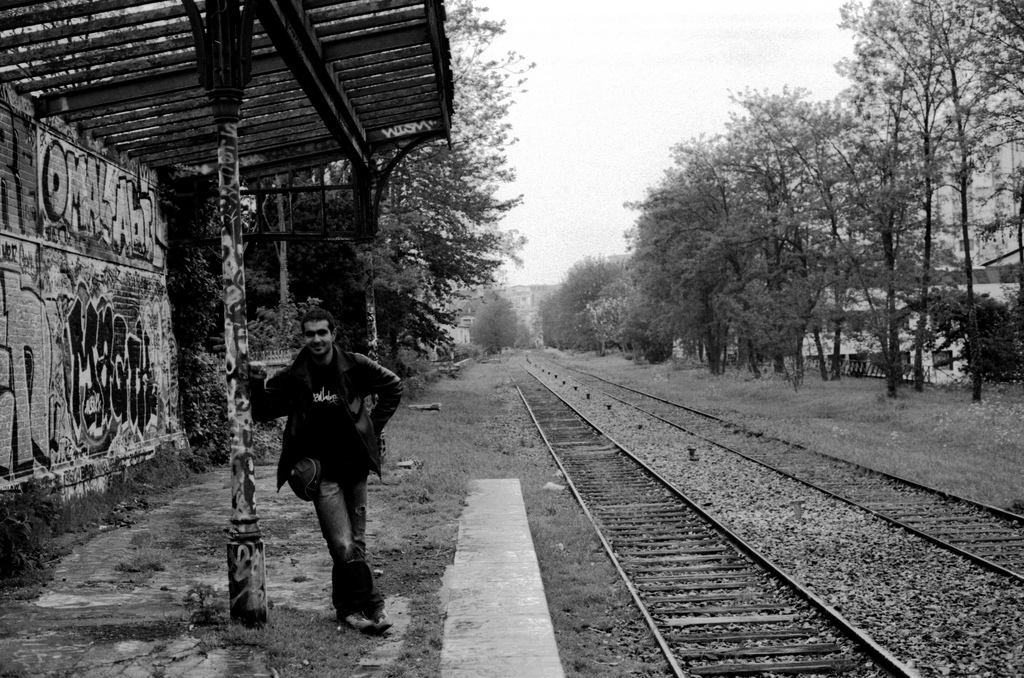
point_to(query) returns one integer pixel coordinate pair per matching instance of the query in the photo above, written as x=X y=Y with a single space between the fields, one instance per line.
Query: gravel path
x=934 y=610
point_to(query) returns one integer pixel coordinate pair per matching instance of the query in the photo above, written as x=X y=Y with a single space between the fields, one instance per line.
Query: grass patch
x=144 y=558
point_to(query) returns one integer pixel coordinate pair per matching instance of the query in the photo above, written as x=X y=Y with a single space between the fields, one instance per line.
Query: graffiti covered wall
x=87 y=357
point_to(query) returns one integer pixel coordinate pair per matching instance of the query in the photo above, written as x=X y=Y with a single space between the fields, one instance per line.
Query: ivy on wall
x=193 y=286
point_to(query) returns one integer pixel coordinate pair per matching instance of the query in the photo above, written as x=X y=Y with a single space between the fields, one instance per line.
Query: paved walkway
x=497 y=621
x=94 y=620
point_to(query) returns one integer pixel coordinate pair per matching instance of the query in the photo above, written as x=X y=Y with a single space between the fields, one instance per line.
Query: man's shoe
x=359 y=622
x=381 y=622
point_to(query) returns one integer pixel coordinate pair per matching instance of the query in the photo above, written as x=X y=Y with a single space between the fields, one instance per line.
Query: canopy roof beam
x=290 y=30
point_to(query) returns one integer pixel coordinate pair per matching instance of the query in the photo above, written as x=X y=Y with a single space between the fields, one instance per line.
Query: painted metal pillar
x=223 y=51
x=372 y=341
x=247 y=581
x=371 y=186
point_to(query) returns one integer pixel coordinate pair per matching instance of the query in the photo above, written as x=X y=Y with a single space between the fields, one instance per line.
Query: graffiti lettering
x=17 y=204
x=86 y=350
x=26 y=398
x=86 y=198
x=112 y=385
x=409 y=128
x=20 y=256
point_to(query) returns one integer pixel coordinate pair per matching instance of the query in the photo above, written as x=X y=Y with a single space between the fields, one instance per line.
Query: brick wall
x=87 y=357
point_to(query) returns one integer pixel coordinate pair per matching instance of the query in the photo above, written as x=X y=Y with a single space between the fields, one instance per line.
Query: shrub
x=277 y=328
x=193 y=287
x=26 y=519
x=203 y=407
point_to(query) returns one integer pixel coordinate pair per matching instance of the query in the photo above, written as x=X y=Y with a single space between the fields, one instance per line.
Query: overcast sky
x=618 y=84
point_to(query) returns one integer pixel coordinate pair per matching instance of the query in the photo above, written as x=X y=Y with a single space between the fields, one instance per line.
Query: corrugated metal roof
x=330 y=79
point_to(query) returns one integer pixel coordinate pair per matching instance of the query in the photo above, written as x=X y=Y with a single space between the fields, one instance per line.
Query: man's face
x=318 y=337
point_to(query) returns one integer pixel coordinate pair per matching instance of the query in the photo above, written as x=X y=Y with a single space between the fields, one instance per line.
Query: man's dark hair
x=314 y=314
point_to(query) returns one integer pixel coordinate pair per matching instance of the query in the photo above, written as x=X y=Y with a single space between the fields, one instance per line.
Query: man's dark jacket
x=290 y=392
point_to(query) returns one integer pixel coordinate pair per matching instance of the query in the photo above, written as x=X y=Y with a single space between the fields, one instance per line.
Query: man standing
x=323 y=395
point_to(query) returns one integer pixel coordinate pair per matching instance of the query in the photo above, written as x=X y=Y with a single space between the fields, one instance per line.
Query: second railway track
x=938 y=611
x=717 y=607
x=989 y=536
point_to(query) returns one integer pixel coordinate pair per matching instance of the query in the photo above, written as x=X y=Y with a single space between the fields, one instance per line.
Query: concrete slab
x=497 y=620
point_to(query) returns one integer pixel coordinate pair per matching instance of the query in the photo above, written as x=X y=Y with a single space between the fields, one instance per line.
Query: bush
x=193 y=287
x=655 y=351
x=203 y=407
x=35 y=513
x=26 y=519
x=277 y=328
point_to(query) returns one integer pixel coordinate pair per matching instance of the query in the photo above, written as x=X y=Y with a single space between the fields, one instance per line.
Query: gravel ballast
x=934 y=610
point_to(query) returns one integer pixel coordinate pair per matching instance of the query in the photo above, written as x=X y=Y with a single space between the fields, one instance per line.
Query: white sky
x=618 y=84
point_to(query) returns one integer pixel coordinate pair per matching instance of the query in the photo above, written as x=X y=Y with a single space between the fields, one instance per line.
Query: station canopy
x=329 y=79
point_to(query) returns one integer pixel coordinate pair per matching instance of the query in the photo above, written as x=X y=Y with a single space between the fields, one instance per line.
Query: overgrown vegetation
x=27 y=518
x=36 y=523
x=200 y=604
x=197 y=311
x=144 y=556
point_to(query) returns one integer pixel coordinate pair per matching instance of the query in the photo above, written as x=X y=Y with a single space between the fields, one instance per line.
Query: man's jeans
x=341 y=509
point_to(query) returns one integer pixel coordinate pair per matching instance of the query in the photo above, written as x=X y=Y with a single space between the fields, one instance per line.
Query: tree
x=440 y=214
x=1004 y=69
x=1002 y=359
x=496 y=325
x=641 y=333
x=893 y=42
x=439 y=228
x=959 y=28
x=608 y=312
x=567 y=322
x=883 y=179
x=784 y=167
x=740 y=237
x=689 y=254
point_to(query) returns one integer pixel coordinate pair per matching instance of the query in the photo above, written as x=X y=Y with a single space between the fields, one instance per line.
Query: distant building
x=465 y=312
x=526 y=300
x=991 y=204
x=994 y=256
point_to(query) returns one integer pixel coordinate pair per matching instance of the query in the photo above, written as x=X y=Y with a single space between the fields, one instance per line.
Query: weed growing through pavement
x=199 y=602
x=145 y=557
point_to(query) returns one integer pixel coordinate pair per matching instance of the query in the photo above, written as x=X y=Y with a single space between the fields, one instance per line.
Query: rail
x=986 y=535
x=699 y=586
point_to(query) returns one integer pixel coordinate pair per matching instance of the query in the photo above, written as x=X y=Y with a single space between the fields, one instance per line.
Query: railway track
x=716 y=606
x=986 y=535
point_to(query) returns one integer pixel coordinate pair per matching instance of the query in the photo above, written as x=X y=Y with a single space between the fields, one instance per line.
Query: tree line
x=806 y=220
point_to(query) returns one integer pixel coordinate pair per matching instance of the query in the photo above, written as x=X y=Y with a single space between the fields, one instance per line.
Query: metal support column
x=369 y=192
x=246 y=564
x=224 y=53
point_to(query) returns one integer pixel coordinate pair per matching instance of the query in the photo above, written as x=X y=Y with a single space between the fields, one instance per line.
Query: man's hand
x=257 y=371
